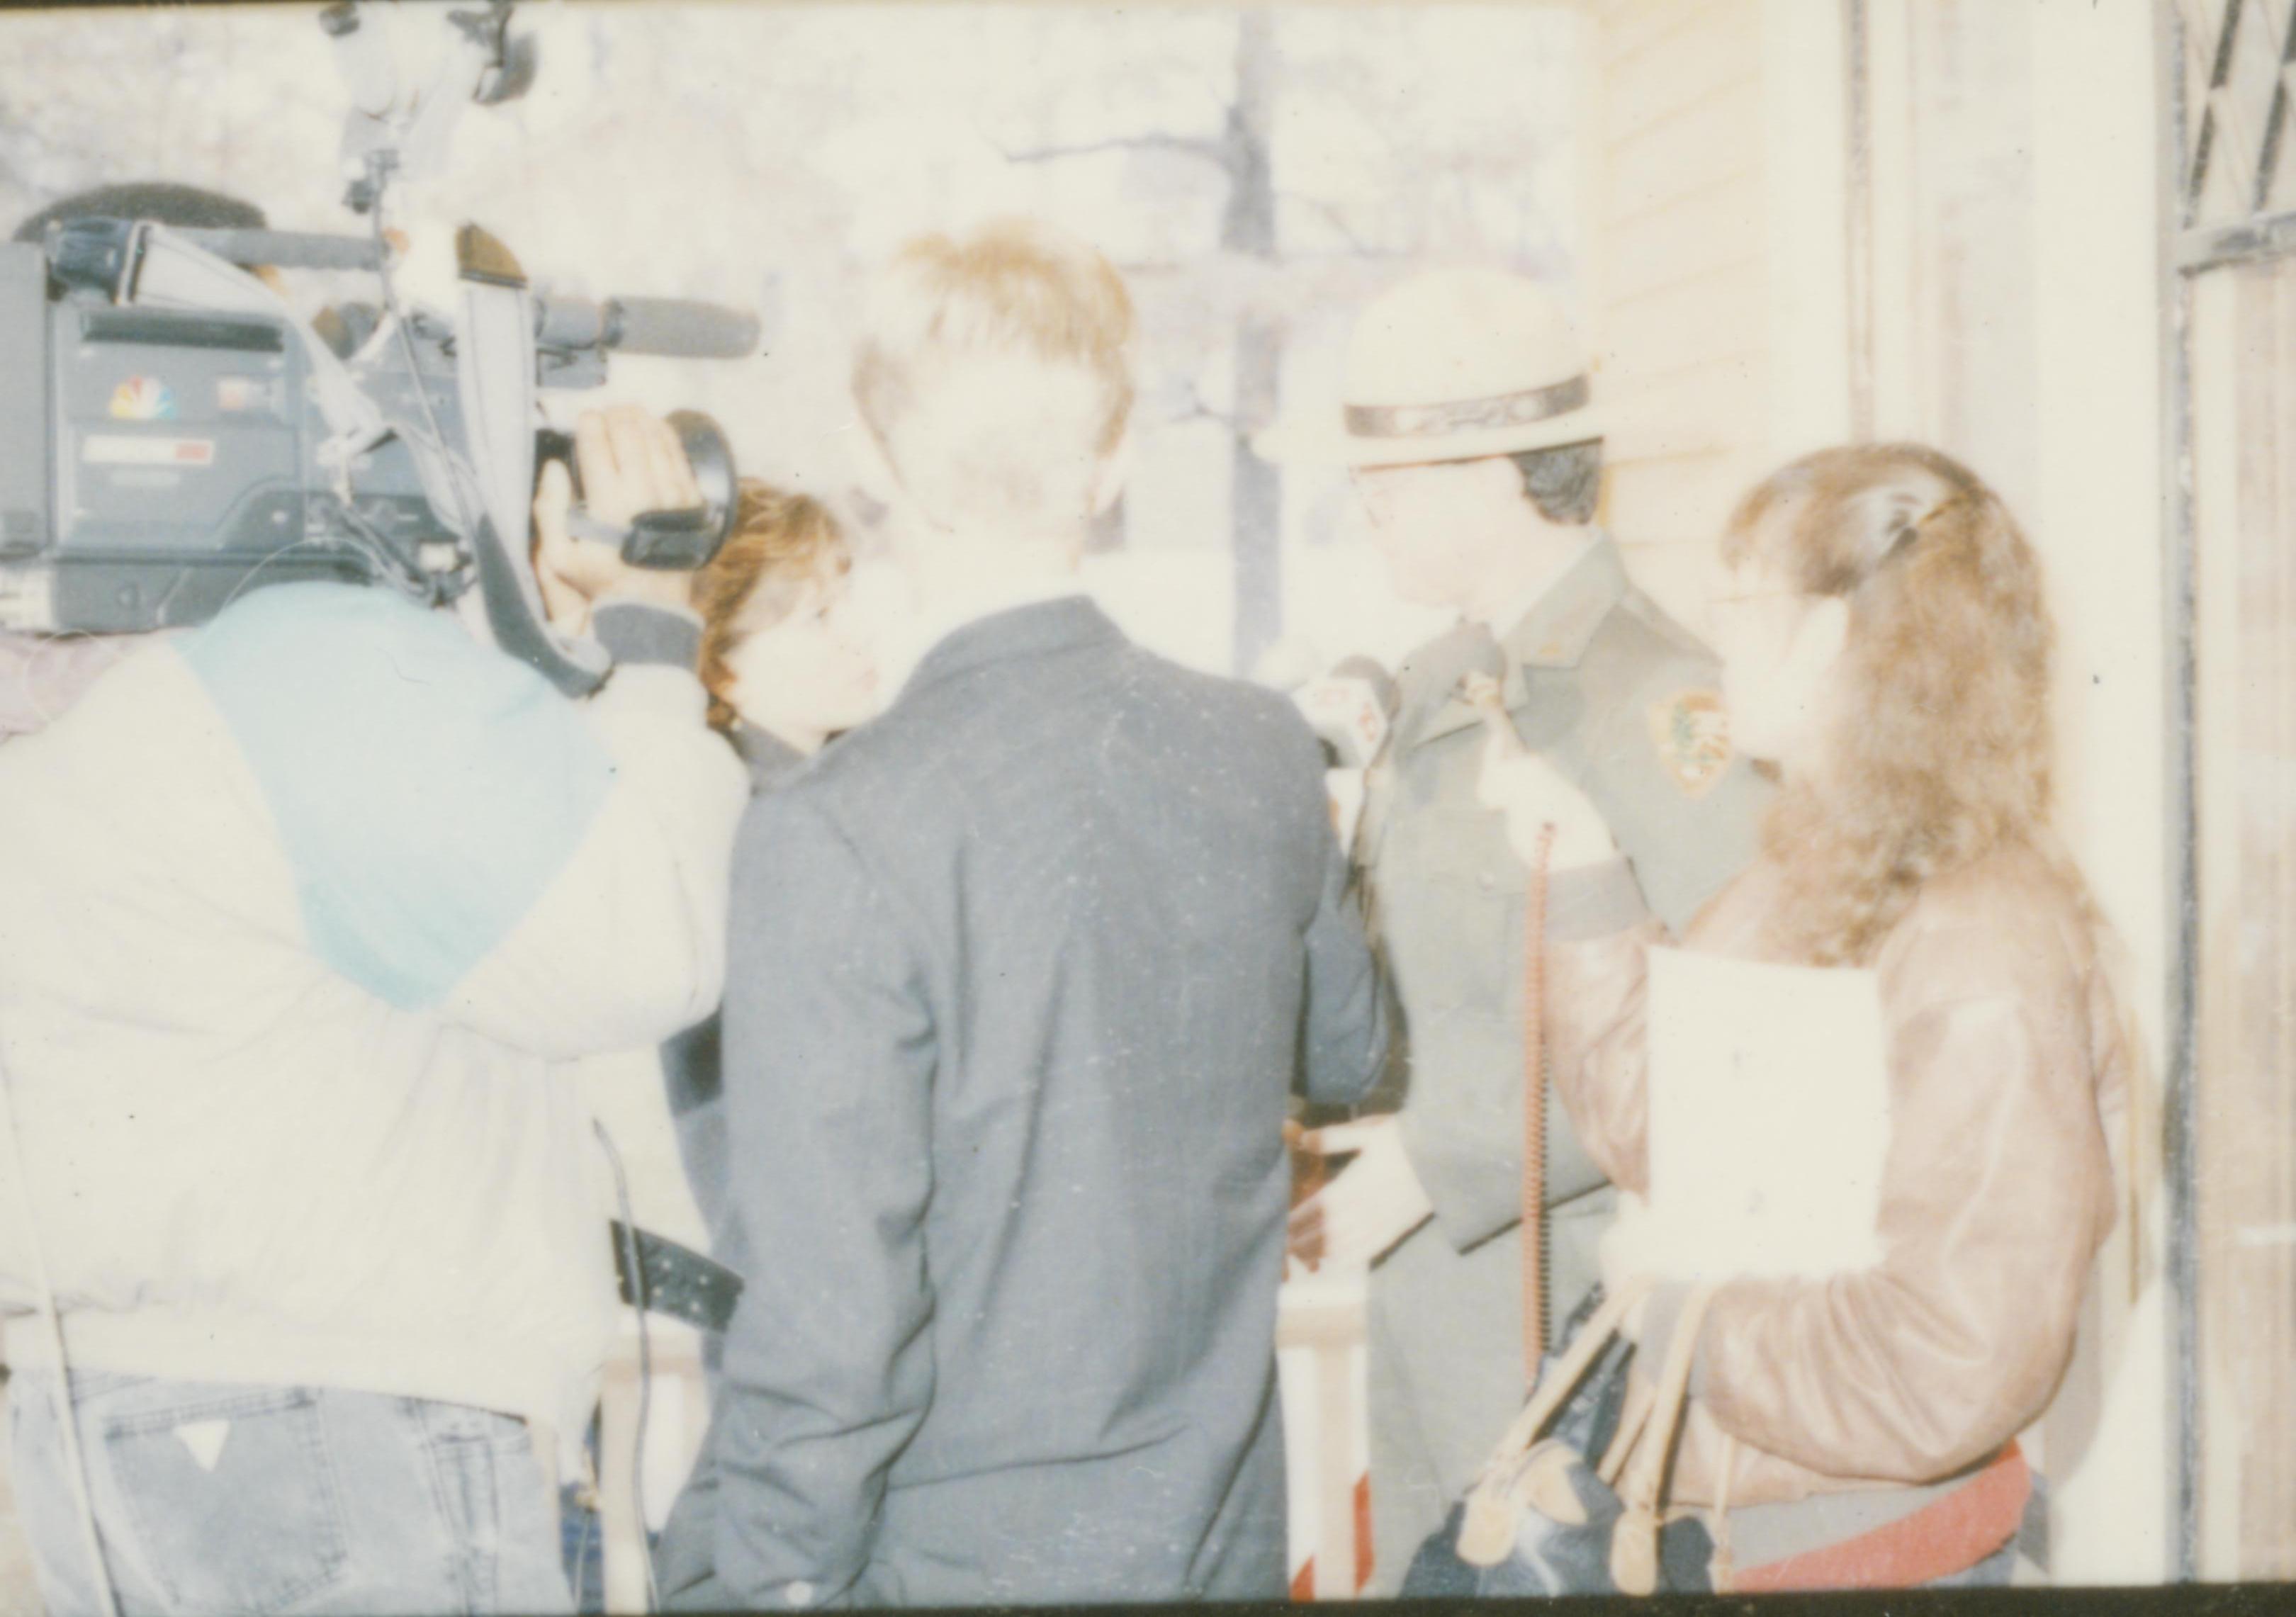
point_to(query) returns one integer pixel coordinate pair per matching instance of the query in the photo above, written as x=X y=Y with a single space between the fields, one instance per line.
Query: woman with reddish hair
x=1885 y=646
x=782 y=656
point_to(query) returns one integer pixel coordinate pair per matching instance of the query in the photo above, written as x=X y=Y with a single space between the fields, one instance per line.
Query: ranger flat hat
x=1451 y=365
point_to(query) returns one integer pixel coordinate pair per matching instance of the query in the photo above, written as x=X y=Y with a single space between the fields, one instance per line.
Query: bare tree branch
x=1332 y=217
x=1179 y=402
x=1199 y=411
x=1212 y=150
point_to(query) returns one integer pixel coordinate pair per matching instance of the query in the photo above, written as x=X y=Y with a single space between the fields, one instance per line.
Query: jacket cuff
x=640 y=631
x=1475 y=1192
x=1593 y=902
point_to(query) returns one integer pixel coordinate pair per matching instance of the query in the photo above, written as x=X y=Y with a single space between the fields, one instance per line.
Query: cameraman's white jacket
x=298 y=913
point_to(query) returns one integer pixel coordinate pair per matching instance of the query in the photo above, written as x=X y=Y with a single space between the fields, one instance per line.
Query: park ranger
x=1476 y=447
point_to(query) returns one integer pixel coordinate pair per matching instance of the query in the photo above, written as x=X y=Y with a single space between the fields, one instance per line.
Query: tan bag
x=1525 y=1473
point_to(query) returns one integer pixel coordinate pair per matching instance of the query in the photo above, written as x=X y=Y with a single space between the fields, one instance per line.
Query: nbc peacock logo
x=143 y=399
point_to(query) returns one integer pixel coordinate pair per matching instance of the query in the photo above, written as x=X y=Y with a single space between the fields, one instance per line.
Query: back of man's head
x=995 y=371
x=185 y=207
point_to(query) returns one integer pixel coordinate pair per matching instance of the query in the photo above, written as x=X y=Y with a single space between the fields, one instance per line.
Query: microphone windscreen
x=682 y=328
x=1351 y=709
x=1488 y=659
x=1381 y=683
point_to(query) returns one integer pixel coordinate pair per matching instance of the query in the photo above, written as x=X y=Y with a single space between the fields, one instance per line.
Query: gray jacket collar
x=1555 y=634
x=1035 y=630
x=772 y=761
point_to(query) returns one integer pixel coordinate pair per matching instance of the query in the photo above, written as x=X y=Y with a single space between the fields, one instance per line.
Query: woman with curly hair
x=1885 y=646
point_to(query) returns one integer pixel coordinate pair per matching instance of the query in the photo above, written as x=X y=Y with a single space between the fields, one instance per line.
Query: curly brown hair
x=1942 y=746
x=783 y=542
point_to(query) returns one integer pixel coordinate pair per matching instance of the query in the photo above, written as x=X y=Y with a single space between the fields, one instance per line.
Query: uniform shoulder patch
x=1691 y=730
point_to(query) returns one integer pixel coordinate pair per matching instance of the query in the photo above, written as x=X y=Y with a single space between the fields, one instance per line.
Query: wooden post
x=1247 y=227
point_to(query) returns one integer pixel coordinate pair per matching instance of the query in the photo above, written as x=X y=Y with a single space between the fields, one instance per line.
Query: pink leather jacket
x=2005 y=1059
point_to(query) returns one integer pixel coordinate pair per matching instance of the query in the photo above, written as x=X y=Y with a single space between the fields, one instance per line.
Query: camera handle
x=665 y=541
x=683 y=538
x=496 y=376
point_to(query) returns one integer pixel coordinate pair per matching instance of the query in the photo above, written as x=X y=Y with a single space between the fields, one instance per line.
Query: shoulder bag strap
x=1534 y=1112
x=1634 y=1541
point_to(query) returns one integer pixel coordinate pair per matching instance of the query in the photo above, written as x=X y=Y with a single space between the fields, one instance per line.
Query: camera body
x=173 y=434
x=156 y=461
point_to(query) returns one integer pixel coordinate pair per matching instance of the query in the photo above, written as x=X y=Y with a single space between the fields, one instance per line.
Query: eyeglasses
x=1766 y=595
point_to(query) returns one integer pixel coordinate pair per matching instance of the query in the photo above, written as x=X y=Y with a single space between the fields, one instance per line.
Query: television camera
x=175 y=434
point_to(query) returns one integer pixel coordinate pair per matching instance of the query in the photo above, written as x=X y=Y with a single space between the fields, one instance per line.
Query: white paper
x=1769 y=1119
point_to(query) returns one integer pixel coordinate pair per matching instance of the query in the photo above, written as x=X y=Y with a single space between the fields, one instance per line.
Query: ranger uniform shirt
x=1623 y=701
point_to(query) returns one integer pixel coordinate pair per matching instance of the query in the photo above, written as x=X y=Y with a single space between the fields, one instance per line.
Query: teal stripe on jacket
x=426 y=788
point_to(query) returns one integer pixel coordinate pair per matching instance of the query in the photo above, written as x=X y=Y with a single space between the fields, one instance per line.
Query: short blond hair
x=995 y=370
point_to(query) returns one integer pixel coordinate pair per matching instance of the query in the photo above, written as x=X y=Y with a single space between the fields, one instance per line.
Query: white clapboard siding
x=1680 y=289
x=1720 y=314
x=1635 y=27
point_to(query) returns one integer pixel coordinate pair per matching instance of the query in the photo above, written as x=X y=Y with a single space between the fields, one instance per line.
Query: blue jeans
x=237 y=1499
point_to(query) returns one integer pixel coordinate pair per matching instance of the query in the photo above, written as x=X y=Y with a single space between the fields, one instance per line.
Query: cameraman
x=297 y=912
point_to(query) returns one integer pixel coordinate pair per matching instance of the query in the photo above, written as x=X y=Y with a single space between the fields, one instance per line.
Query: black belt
x=674 y=1280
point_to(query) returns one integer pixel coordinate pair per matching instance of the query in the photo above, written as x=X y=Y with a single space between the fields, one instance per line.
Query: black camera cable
x=636 y=1271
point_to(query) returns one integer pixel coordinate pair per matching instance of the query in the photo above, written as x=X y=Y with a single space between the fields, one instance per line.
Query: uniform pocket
x=232 y=1500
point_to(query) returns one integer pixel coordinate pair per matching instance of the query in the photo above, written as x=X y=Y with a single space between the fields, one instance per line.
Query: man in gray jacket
x=1021 y=973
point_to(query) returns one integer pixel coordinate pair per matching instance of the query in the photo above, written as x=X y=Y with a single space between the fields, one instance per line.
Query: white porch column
x=2099 y=527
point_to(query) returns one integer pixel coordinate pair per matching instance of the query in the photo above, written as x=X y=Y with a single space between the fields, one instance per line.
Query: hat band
x=1467 y=414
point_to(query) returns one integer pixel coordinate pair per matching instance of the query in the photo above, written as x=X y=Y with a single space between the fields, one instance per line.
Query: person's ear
x=874 y=474
x=1111 y=474
x=872 y=468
